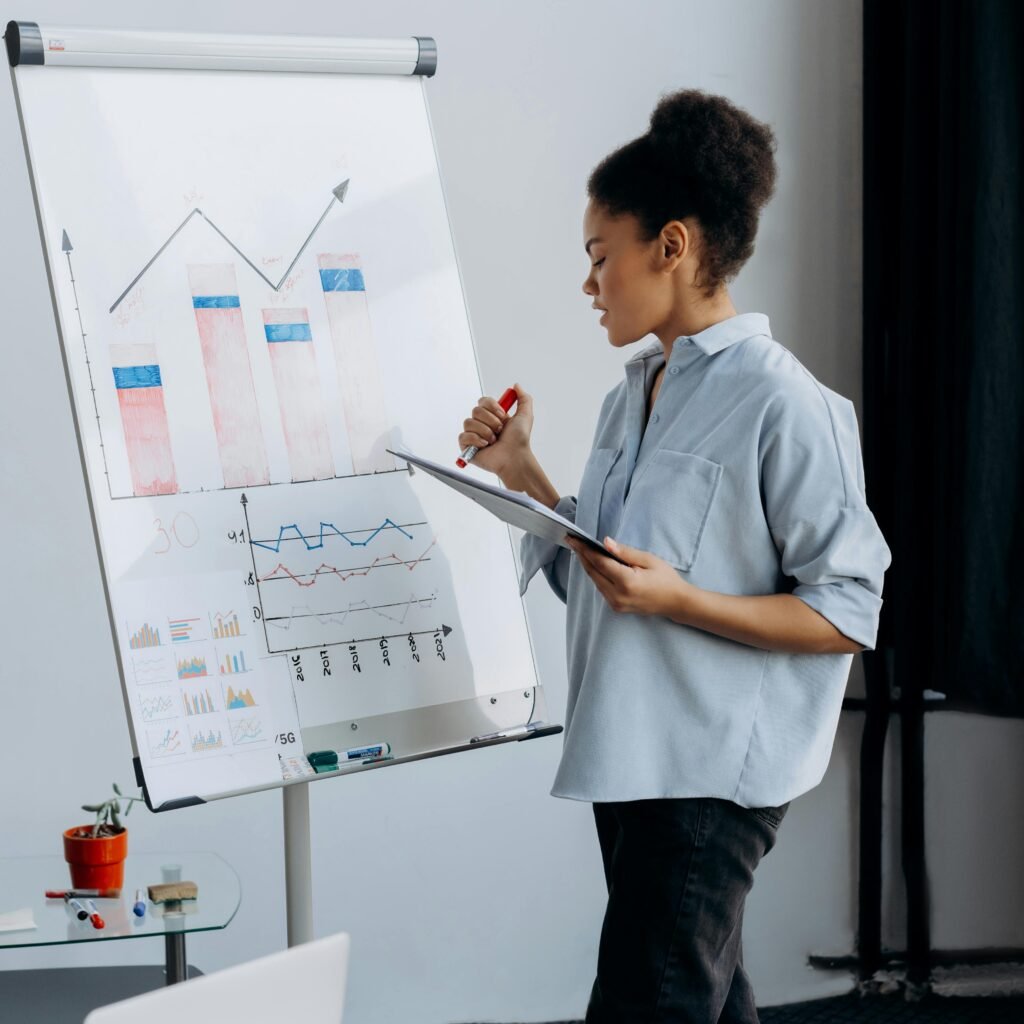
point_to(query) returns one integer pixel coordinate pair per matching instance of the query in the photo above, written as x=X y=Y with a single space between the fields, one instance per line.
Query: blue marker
x=139 y=908
x=372 y=752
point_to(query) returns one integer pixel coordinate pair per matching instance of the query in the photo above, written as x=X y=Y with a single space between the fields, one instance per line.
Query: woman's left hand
x=647 y=585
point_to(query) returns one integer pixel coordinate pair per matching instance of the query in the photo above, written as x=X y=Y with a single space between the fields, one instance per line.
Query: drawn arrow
x=338 y=194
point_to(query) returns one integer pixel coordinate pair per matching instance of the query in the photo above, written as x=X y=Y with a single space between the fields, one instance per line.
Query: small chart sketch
x=238 y=699
x=198 y=703
x=153 y=667
x=144 y=636
x=233 y=664
x=183 y=631
x=246 y=729
x=192 y=667
x=224 y=625
x=203 y=740
x=155 y=707
x=164 y=742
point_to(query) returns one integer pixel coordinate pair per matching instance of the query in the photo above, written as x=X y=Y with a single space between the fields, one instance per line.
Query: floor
x=854 y=1009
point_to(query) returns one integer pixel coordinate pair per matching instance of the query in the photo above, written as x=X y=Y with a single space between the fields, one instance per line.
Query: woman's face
x=626 y=280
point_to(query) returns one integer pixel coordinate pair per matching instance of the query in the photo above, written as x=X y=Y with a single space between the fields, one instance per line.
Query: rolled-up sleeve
x=538 y=553
x=829 y=544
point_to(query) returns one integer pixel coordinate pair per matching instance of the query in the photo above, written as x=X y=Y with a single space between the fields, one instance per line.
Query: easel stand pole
x=298 y=865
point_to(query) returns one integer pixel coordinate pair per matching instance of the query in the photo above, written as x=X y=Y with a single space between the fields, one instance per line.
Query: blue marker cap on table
x=139 y=907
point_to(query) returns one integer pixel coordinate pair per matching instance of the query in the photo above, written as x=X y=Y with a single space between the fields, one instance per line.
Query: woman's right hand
x=503 y=439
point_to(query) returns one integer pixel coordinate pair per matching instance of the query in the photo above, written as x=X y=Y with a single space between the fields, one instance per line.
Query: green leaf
x=114 y=819
x=129 y=811
x=117 y=789
x=94 y=808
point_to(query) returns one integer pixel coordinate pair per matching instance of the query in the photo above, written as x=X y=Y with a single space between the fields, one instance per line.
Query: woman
x=707 y=661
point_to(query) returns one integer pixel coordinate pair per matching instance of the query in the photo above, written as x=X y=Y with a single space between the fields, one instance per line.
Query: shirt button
x=654 y=418
x=673 y=370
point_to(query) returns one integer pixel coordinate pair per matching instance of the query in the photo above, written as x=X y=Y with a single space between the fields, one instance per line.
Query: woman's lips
x=604 y=316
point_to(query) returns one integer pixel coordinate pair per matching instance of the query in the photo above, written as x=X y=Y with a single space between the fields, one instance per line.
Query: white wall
x=469 y=892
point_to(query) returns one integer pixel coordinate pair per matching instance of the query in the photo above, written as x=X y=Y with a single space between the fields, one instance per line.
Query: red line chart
x=309 y=579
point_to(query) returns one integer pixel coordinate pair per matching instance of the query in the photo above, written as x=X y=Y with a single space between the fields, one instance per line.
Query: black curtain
x=944 y=341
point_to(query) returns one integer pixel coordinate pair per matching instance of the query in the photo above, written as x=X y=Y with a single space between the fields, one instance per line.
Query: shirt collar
x=718 y=336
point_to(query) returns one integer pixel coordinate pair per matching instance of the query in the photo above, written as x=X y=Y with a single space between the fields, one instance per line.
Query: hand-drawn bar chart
x=147 y=437
x=225 y=625
x=233 y=664
x=144 y=636
x=198 y=703
x=290 y=343
x=236 y=417
x=359 y=376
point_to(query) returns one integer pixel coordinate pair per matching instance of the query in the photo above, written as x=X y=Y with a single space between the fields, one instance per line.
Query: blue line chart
x=326 y=531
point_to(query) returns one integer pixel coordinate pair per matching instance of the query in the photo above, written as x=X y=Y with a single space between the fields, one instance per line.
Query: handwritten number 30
x=184 y=530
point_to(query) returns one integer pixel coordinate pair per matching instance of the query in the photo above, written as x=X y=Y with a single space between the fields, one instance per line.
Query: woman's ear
x=675 y=243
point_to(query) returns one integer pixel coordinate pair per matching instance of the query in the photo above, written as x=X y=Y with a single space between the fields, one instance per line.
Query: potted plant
x=96 y=853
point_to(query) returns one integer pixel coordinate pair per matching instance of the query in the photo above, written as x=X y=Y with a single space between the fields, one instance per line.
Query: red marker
x=507 y=400
x=94 y=915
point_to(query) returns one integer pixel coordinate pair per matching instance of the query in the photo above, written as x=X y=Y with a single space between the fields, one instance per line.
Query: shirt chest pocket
x=668 y=506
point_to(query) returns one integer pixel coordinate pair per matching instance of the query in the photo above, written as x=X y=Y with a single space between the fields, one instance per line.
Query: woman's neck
x=695 y=314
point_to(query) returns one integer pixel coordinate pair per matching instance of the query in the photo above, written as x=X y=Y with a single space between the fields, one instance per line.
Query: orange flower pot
x=95 y=863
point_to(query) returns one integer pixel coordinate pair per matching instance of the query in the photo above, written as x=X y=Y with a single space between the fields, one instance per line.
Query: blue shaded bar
x=137 y=376
x=288 y=332
x=350 y=280
x=215 y=302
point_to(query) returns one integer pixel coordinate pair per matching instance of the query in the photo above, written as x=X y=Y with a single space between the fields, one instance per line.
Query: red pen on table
x=507 y=400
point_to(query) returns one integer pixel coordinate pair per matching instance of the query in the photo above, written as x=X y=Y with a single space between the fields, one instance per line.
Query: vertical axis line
x=255 y=573
x=88 y=368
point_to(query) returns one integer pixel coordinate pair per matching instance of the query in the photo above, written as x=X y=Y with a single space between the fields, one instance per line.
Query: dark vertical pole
x=914 y=869
x=882 y=43
x=872 y=766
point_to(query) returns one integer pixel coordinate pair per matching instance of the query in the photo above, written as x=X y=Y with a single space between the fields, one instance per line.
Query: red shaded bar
x=290 y=343
x=147 y=437
x=359 y=377
x=236 y=417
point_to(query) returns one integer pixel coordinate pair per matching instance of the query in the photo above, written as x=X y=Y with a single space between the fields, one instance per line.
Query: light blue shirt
x=748 y=479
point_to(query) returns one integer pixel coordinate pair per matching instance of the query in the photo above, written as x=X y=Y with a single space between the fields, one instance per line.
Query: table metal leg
x=176 y=966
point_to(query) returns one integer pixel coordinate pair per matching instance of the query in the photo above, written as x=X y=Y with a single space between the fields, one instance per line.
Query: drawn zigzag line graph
x=284 y=622
x=326 y=529
x=337 y=196
x=282 y=572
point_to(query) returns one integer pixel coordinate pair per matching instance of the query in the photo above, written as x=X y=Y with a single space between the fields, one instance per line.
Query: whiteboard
x=257 y=294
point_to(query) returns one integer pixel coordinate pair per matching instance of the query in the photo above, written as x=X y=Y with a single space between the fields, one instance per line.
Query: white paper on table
x=17 y=920
x=513 y=507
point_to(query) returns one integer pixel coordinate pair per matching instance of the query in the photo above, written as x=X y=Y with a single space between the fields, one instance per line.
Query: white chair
x=305 y=983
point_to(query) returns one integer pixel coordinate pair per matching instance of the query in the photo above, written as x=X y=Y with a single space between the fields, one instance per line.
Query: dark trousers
x=678 y=874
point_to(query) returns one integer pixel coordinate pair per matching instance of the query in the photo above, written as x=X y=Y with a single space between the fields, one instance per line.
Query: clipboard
x=513 y=507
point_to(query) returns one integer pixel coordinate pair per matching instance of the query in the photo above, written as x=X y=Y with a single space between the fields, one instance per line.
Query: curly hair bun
x=702 y=157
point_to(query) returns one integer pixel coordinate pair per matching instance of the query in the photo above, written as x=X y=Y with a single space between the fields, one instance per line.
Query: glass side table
x=24 y=880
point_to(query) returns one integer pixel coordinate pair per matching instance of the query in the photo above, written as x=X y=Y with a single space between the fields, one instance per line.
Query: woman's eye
x=599 y=262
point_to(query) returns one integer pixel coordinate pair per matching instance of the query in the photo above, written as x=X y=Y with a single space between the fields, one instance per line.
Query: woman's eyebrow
x=590 y=242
